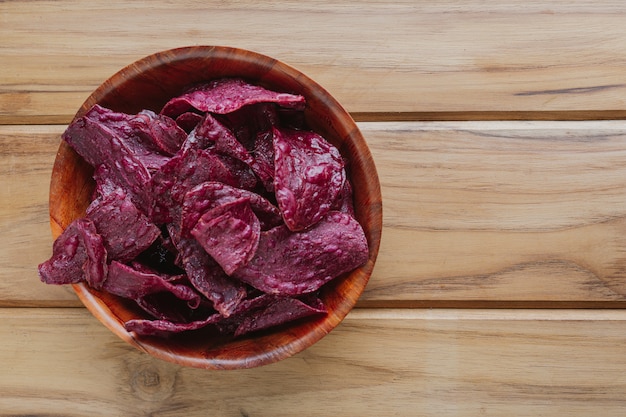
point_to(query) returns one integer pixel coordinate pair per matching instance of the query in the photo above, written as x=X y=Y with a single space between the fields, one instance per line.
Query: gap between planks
x=561 y=115
x=415 y=314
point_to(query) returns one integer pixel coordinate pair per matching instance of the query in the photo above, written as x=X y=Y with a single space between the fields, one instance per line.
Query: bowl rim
x=286 y=347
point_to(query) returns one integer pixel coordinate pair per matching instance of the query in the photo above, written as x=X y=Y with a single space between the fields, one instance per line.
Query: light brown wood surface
x=501 y=279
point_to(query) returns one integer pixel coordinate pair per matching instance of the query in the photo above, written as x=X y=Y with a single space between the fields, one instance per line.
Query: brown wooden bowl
x=148 y=84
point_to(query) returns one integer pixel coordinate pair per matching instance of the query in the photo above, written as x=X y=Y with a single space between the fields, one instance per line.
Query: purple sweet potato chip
x=281 y=310
x=227 y=95
x=132 y=132
x=164 y=306
x=309 y=174
x=164 y=328
x=115 y=165
x=211 y=133
x=78 y=255
x=127 y=282
x=126 y=232
x=229 y=233
x=188 y=121
x=291 y=263
x=211 y=194
x=209 y=278
x=246 y=122
x=184 y=171
x=162 y=132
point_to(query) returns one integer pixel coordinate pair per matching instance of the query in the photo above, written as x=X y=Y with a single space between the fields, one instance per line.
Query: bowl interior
x=148 y=84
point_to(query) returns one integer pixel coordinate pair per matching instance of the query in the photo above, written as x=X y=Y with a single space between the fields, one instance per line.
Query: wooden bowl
x=148 y=84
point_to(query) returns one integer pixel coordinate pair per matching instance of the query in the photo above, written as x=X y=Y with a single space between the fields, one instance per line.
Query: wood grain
x=424 y=58
x=501 y=210
x=377 y=362
x=475 y=213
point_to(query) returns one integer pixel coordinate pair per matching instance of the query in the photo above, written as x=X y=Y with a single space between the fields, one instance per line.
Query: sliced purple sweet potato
x=188 y=121
x=229 y=233
x=115 y=164
x=164 y=328
x=211 y=194
x=280 y=311
x=209 y=278
x=161 y=131
x=246 y=122
x=165 y=306
x=184 y=171
x=292 y=263
x=309 y=175
x=227 y=95
x=78 y=255
x=126 y=231
x=127 y=282
x=211 y=133
x=131 y=132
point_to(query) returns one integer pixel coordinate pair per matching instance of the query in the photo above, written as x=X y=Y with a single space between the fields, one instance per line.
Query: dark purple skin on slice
x=211 y=194
x=227 y=95
x=229 y=233
x=164 y=328
x=309 y=175
x=127 y=282
x=280 y=311
x=78 y=255
x=292 y=263
x=209 y=278
x=183 y=172
x=126 y=231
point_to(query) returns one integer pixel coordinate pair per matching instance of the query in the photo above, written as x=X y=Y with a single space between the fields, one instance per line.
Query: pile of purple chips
x=222 y=210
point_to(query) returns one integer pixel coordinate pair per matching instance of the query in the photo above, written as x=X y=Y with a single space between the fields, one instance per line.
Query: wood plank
x=474 y=213
x=505 y=211
x=27 y=154
x=376 y=363
x=375 y=57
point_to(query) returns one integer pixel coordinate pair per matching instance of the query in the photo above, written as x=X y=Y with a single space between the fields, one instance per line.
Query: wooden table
x=497 y=130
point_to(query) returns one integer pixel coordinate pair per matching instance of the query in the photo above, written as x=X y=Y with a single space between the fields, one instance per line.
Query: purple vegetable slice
x=211 y=194
x=280 y=311
x=209 y=278
x=98 y=145
x=229 y=233
x=227 y=95
x=292 y=263
x=162 y=132
x=131 y=132
x=127 y=282
x=163 y=328
x=183 y=172
x=164 y=306
x=78 y=254
x=210 y=133
x=309 y=175
x=188 y=121
x=126 y=231
x=247 y=122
